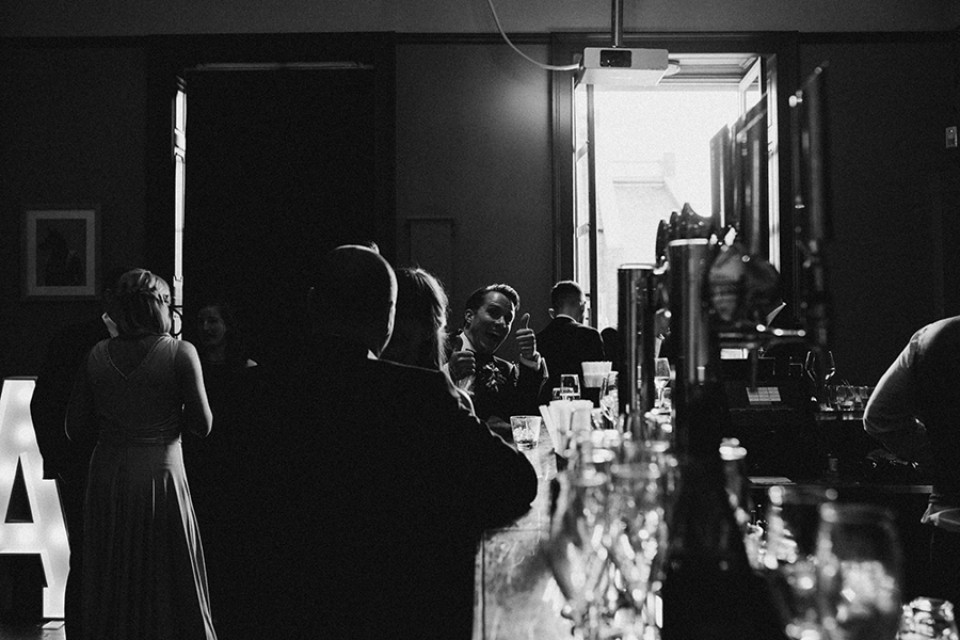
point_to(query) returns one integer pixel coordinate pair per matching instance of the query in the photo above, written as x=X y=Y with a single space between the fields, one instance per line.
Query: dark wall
x=893 y=185
x=473 y=146
x=71 y=132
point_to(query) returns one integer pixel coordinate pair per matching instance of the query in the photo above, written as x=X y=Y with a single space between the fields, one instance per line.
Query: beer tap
x=811 y=194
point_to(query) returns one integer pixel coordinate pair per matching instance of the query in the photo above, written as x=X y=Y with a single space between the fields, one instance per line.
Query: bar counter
x=516 y=596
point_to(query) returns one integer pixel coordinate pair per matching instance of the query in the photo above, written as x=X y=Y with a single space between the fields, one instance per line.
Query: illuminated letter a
x=46 y=535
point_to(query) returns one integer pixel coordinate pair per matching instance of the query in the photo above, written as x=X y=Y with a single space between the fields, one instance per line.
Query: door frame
x=169 y=56
x=783 y=46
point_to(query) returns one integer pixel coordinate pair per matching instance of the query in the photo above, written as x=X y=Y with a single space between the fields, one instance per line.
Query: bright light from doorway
x=652 y=156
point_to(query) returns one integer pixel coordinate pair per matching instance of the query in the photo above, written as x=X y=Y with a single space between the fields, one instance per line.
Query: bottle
x=734 y=459
x=710 y=588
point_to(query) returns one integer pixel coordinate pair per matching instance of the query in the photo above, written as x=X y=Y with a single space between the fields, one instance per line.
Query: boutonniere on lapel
x=491 y=377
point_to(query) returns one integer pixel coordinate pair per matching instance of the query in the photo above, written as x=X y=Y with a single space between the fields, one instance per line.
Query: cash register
x=772 y=417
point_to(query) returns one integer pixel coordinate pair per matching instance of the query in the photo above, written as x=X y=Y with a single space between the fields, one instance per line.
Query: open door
x=180 y=173
x=585 y=200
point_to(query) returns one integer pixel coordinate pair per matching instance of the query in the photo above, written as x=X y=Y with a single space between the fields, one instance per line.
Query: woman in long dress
x=144 y=574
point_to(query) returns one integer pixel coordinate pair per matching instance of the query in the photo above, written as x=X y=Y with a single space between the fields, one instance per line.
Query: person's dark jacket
x=48 y=406
x=373 y=499
x=566 y=344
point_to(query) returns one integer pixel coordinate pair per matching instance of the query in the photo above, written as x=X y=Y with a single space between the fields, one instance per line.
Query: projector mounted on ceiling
x=622 y=67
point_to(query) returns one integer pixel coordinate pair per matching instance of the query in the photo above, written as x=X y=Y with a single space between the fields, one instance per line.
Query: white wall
x=146 y=17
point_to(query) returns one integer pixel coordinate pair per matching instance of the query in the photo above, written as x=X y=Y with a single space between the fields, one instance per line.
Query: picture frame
x=60 y=252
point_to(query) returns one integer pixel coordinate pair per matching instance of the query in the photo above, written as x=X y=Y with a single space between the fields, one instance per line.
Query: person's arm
x=890 y=414
x=529 y=388
x=197 y=417
x=504 y=481
x=80 y=423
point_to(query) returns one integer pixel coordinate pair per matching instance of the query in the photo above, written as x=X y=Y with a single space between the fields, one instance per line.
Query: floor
x=52 y=630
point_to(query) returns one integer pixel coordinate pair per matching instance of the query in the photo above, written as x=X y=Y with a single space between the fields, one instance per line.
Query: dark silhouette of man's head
x=567 y=298
x=355 y=297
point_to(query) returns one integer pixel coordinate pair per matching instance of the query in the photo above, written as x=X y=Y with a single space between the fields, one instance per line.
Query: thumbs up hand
x=527 y=341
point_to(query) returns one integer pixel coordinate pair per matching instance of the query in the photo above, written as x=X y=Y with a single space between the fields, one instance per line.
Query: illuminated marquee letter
x=46 y=536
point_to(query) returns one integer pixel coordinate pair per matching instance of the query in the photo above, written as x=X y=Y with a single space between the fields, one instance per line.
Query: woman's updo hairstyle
x=143 y=301
x=420 y=329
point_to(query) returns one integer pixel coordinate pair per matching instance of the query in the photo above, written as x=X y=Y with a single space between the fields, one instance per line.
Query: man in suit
x=65 y=461
x=566 y=342
x=376 y=487
x=499 y=388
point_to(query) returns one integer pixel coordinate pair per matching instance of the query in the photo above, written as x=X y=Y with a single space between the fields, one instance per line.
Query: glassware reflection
x=859 y=571
x=790 y=554
x=928 y=618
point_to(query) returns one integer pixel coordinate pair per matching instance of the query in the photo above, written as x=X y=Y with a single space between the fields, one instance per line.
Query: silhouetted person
x=143 y=568
x=420 y=327
x=566 y=342
x=218 y=465
x=915 y=412
x=383 y=483
x=419 y=332
x=64 y=461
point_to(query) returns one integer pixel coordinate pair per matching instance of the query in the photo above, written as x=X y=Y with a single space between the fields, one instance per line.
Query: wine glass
x=829 y=368
x=661 y=378
x=859 y=572
x=810 y=368
x=573 y=550
x=638 y=529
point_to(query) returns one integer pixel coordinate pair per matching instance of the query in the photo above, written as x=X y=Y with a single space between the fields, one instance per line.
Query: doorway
x=288 y=149
x=279 y=171
x=601 y=203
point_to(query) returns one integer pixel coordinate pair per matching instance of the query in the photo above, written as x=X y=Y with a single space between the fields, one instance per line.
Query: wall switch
x=951 y=137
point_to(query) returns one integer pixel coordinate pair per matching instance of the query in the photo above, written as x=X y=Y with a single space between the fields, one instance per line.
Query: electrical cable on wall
x=548 y=67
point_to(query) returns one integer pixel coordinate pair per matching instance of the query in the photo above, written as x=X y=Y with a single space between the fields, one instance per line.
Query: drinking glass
x=661 y=378
x=928 y=618
x=859 y=571
x=789 y=557
x=637 y=509
x=609 y=398
x=846 y=397
x=569 y=387
x=574 y=549
x=526 y=431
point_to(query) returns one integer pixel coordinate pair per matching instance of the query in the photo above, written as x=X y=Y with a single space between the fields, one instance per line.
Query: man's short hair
x=566 y=293
x=356 y=293
x=475 y=301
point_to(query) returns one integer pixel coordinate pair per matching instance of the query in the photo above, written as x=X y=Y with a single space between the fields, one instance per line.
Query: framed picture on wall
x=60 y=245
